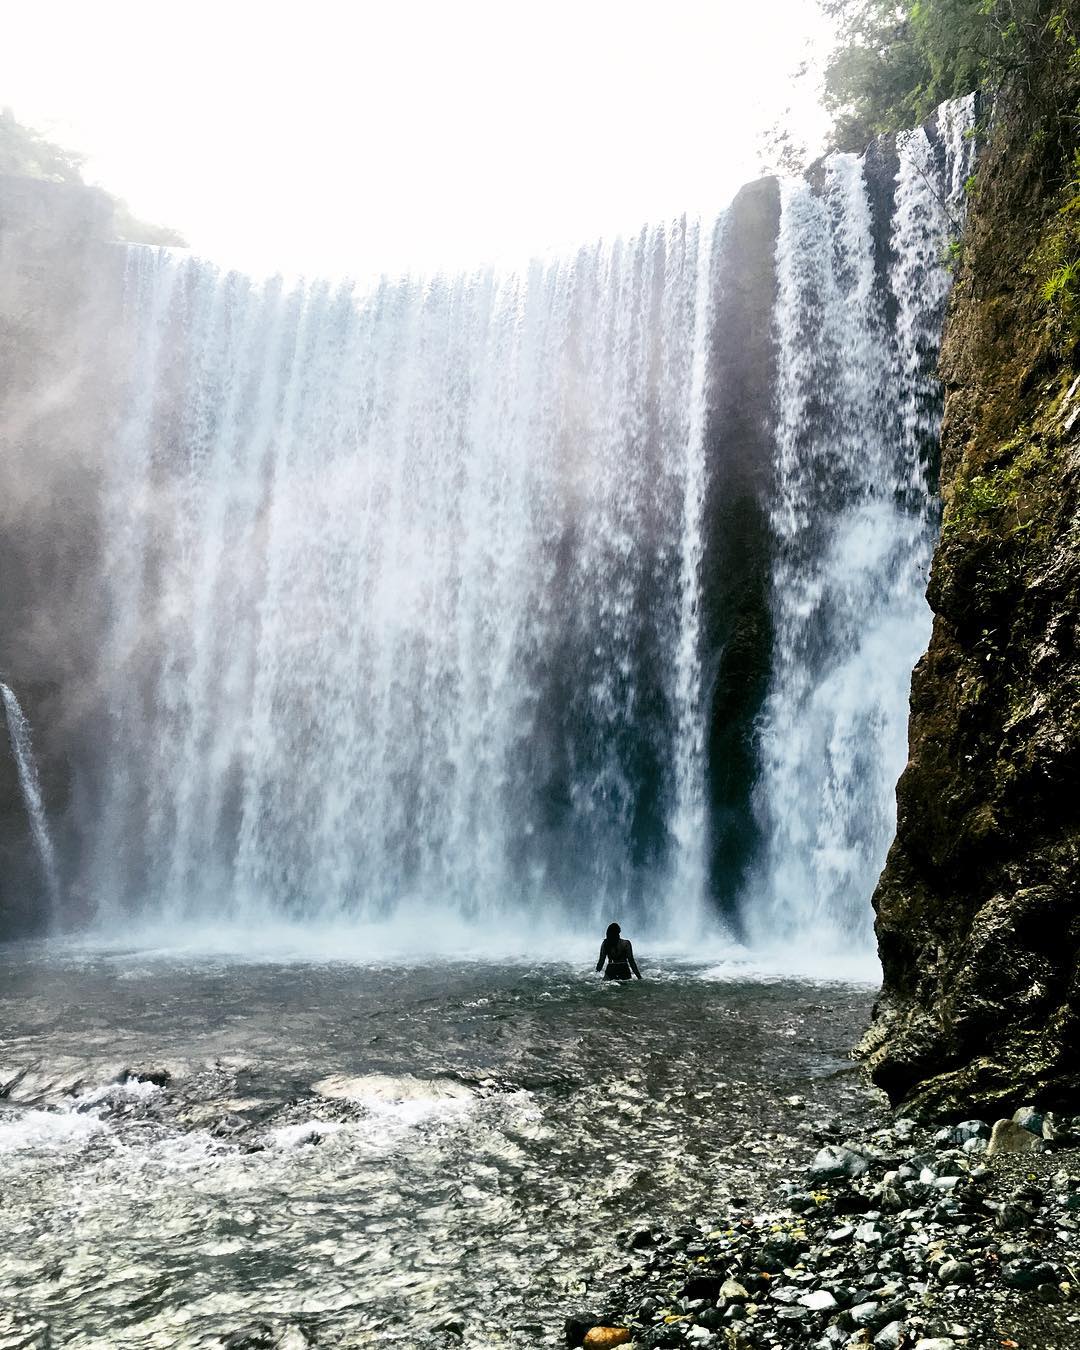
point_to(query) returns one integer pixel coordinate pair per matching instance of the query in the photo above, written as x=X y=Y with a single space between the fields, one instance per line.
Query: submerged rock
x=159 y=1076
x=255 y=1336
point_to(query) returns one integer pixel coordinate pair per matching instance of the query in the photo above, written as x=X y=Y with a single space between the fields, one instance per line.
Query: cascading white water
x=405 y=588
x=393 y=583
x=23 y=751
x=689 y=818
x=858 y=414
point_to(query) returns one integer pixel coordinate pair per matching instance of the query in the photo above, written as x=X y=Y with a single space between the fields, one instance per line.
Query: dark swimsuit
x=620 y=958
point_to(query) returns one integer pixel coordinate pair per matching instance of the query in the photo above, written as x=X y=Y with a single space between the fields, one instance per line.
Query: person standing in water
x=619 y=955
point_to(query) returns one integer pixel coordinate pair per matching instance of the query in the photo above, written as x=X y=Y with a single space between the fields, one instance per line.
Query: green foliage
x=953 y=255
x=1001 y=502
x=1056 y=264
x=898 y=59
x=132 y=230
x=975 y=501
x=1061 y=287
x=27 y=154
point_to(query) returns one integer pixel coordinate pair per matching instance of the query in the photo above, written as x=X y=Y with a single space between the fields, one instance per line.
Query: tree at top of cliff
x=898 y=59
x=27 y=154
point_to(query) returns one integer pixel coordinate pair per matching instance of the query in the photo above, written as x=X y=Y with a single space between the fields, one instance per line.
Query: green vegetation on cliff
x=978 y=920
x=27 y=154
x=898 y=59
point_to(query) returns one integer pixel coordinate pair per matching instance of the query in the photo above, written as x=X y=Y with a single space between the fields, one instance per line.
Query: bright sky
x=410 y=134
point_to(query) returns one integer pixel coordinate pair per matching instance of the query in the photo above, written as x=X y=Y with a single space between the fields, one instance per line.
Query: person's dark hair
x=613 y=931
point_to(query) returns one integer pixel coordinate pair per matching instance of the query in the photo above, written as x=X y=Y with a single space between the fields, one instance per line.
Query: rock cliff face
x=57 y=287
x=736 y=623
x=978 y=909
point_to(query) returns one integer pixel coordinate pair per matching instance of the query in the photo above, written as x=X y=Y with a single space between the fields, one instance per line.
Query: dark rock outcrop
x=738 y=550
x=978 y=909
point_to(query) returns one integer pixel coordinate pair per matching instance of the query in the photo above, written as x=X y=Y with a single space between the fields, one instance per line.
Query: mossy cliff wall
x=978 y=909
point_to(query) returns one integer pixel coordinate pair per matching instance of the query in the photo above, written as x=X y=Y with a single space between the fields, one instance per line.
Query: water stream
x=440 y=1155
x=23 y=751
x=855 y=516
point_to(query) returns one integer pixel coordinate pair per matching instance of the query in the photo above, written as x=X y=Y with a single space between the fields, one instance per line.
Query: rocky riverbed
x=965 y=1237
x=291 y=1156
x=200 y=1152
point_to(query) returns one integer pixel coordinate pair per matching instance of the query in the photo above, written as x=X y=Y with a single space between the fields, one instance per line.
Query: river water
x=441 y=1154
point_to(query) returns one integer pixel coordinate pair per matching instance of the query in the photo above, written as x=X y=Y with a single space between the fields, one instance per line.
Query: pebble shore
x=965 y=1237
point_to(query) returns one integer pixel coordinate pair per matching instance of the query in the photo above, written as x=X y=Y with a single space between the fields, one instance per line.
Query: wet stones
x=910 y=1229
x=967 y=1130
x=1029 y=1274
x=835 y=1161
x=956 y=1272
x=703 y=1287
x=890 y=1337
x=1030 y=1119
x=780 y=1251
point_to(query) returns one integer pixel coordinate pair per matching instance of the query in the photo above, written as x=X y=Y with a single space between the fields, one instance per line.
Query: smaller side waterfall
x=23 y=750
x=862 y=285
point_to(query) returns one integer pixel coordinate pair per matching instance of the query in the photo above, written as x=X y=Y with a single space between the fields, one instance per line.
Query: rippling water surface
x=439 y=1155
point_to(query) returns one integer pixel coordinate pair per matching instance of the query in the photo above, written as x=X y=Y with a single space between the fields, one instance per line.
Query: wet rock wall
x=978 y=919
x=56 y=294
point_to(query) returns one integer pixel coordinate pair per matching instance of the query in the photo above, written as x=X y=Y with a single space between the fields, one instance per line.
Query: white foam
x=305 y=1132
x=377 y=1089
x=414 y=935
x=130 y=1089
x=41 y=1130
x=802 y=963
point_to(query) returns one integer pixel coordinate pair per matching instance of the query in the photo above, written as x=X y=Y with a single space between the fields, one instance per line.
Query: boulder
x=956 y=1272
x=1008 y=1136
x=835 y=1161
x=1030 y=1119
x=969 y=1129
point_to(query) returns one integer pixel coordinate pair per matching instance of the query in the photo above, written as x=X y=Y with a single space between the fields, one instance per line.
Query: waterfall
x=410 y=599
x=858 y=414
x=394 y=580
x=23 y=751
